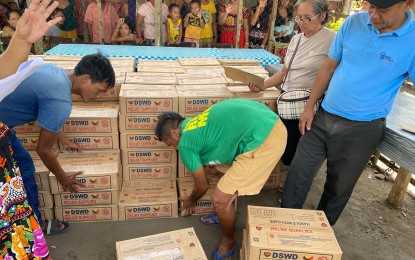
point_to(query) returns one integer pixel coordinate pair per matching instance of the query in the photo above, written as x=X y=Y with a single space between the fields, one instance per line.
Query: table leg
x=398 y=191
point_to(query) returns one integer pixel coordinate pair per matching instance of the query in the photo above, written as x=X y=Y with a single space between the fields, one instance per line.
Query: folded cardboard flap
x=245 y=77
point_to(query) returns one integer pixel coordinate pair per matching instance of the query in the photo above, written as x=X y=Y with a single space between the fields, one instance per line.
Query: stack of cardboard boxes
x=276 y=233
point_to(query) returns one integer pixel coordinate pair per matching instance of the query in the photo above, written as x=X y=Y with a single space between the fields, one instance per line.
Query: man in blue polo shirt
x=368 y=61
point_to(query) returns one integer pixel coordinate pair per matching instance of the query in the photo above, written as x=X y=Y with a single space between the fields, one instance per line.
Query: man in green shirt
x=244 y=138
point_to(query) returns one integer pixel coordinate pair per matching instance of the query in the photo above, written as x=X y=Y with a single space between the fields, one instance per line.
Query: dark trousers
x=347 y=145
x=294 y=136
x=27 y=170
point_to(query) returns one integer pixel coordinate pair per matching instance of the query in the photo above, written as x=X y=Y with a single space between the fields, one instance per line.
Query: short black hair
x=12 y=11
x=98 y=67
x=167 y=121
x=196 y=2
x=171 y=6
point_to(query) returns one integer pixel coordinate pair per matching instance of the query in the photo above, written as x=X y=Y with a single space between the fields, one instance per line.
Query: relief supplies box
x=97 y=197
x=140 y=139
x=268 y=98
x=199 y=101
x=111 y=94
x=203 y=80
x=203 y=205
x=95 y=213
x=148 y=102
x=151 y=74
x=97 y=117
x=239 y=62
x=94 y=141
x=245 y=77
x=157 y=69
x=149 y=171
x=184 y=172
x=45 y=199
x=287 y=218
x=147 y=87
x=102 y=170
x=277 y=242
x=41 y=175
x=31 y=127
x=196 y=87
x=173 y=63
x=252 y=69
x=30 y=141
x=138 y=122
x=141 y=79
x=198 y=62
x=149 y=156
x=203 y=69
x=145 y=199
x=47 y=213
x=178 y=244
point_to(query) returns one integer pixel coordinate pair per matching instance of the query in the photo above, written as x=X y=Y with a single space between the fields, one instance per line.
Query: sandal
x=231 y=254
x=213 y=221
x=53 y=227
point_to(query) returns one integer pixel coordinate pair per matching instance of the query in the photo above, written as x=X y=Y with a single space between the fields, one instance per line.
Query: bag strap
x=289 y=64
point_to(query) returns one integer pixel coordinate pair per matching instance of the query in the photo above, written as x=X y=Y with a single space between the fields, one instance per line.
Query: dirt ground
x=368 y=228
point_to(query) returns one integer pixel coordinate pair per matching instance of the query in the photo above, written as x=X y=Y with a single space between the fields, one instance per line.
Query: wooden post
x=157 y=22
x=272 y=24
x=100 y=29
x=398 y=191
x=239 y=22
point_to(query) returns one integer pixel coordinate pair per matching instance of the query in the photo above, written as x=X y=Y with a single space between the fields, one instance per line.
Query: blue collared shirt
x=372 y=67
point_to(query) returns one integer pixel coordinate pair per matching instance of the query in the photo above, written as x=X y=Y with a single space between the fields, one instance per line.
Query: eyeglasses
x=298 y=19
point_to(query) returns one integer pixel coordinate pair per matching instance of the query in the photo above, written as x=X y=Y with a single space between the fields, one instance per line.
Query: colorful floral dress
x=21 y=236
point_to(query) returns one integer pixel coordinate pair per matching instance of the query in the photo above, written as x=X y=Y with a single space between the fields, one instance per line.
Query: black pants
x=347 y=145
x=294 y=136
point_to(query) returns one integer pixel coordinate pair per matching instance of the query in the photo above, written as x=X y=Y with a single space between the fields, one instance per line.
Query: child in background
x=10 y=28
x=174 y=25
x=54 y=29
x=209 y=33
x=283 y=32
x=122 y=32
x=193 y=23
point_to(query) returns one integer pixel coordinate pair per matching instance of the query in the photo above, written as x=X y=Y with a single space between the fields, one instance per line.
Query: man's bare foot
x=226 y=250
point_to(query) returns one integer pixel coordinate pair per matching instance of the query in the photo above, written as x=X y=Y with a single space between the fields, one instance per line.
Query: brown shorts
x=249 y=172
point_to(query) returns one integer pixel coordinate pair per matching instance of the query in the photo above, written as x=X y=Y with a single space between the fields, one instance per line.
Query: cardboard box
x=201 y=75
x=203 y=69
x=239 y=62
x=199 y=101
x=138 y=122
x=179 y=244
x=45 y=199
x=30 y=141
x=96 y=213
x=205 y=80
x=148 y=87
x=184 y=172
x=158 y=69
x=149 y=156
x=252 y=69
x=203 y=205
x=149 y=171
x=148 y=199
x=47 y=213
x=151 y=74
x=41 y=176
x=213 y=87
x=104 y=141
x=272 y=182
x=287 y=218
x=268 y=98
x=158 y=63
x=140 y=139
x=244 y=77
x=276 y=242
x=31 y=127
x=97 y=197
x=147 y=102
x=140 y=79
x=101 y=171
x=198 y=62
x=97 y=117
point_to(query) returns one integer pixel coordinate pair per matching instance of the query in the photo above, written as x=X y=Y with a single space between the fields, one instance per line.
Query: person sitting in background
x=227 y=20
x=174 y=25
x=122 y=32
x=108 y=24
x=315 y=41
x=259 y=17
x=145 y=18
x=193 y=22
x=282 y=31
x=54 y=30
x=12 y=19
x=284 y=12
x=13 y=6
x=70 y=24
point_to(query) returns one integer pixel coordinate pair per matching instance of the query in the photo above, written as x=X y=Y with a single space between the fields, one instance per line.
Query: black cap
x=384 y=3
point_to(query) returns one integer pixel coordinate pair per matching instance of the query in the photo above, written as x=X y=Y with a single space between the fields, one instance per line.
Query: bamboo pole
x=157 y=22
x=272 y=24
x=239 y=21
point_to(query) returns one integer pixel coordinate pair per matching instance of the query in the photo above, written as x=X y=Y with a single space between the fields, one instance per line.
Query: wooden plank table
x=399 y=145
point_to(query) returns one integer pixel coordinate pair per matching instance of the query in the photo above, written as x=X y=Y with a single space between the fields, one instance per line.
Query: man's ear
x=175 y=133
x=84 y=78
